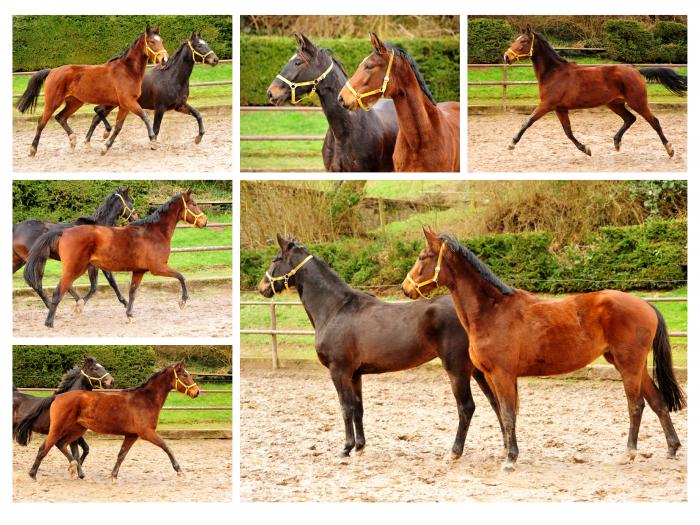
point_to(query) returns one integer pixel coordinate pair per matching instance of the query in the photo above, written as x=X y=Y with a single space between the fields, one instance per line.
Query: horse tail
x=28 y=99
x=667 y=77
x=36 y=259
x=23 y=431
x=663 y=367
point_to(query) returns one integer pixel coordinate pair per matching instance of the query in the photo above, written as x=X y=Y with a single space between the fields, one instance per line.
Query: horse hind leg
x=123 y=451
x=631 y=380
x=72 y=105
x=51 y=104
x=358 y=413
x=658 y=405
x=643 y=109
x=121 y=116
x=628 y=118
x=563 y=116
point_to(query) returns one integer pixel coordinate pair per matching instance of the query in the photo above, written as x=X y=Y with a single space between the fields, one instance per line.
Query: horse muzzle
x=277 y=94
x=212 y=60
x=265 y=288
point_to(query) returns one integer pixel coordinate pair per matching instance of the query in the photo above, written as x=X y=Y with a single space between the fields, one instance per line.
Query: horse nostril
x=340 y=100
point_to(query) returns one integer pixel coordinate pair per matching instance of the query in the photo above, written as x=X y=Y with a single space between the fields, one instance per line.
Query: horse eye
x=368 y=66
x=297 y=62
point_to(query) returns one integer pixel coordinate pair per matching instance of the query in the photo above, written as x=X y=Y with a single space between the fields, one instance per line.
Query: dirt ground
x=544 y=147
x=130 y=152
x=156 y=314
x=145 y=475
x=571 y=435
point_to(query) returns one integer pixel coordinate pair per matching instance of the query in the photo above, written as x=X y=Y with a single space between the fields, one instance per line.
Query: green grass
x=302 y=347
x=192 y=265
x=517 y=95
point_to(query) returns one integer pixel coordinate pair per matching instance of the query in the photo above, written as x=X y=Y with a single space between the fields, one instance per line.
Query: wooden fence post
x=273 y=326
x=504 y=100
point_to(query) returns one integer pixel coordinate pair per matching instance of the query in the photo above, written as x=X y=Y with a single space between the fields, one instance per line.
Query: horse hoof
x=180 y=474
x=617 y=147
x=114 y=480
x=48 y=324
x=86 y=141
x=32 y=151
x=33 y=476
x=105 y=134
x=455 y=455
x=508 y=466
x=78 y=307
x=73 y=469
x=129 y=319
x=183 y=305
x=72 y=140
x=198 y=139
x=511 y=146
x=669 y=149
x=105 y=149
x=587 y=150
x=154 y=145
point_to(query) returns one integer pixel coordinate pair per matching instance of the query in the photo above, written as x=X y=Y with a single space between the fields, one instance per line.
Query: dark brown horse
x=428 y=137
x=513 y=333
x=358 y=334
x=566 y=85
x=91 y=375
x=114 y=83
x=132 y=413
x=140 y=247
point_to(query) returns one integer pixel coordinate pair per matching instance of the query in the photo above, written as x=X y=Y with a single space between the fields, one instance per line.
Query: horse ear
x=158 y=29
x=306 y=45
x=89 y=360
x=377 y=44
x=527 y=29
x=431 y=237
x=283 y=242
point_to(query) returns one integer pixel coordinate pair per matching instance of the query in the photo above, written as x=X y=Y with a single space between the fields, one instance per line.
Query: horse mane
x=419 y=77
x=68 y=380
x=126 y=51
x=175 y=57
x=151 y=378
x=154 y=217
x=103 y=211
x=335 y=59
x=547 y=48
x=323 y=265
x=484 y=271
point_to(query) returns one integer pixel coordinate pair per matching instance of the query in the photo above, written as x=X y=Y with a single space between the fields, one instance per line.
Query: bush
x=670 y=32
x=49 y=41
x=488 y=40
x=262 y=58
x=629 y=41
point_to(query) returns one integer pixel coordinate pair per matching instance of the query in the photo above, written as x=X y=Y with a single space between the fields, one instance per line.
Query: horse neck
x=135 y=58
x=183 y=65
x=169 y=219
x=339 y=119
x=542 y=62
x=157 y=389
x=111 y=218
x=321 y=291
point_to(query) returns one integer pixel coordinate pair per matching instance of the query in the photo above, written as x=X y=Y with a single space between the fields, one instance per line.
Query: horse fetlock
x=78 y=307
x=73 y=469
x=669 y=149
x=32 y=151
x=182 y=303
x=105 y=134
x=72 y=140
x=129 y=318
x=105 y=149
x=198 y=138
x=587 y=150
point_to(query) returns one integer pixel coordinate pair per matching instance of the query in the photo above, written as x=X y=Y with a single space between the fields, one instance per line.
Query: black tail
x=36 y=259
x=663 y=367
x=23 y=432
x=677 y=84
x=28 y=99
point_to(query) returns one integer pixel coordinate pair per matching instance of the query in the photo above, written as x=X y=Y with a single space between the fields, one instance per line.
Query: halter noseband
x=155 y=54
x=98 y=380
x=126 y=209
x=433 y=279
x=195 y=52
x=187 y=210
x=517 y=56
x=382 y=90
x=287 y=275
x=315 y=82
x=178 y=382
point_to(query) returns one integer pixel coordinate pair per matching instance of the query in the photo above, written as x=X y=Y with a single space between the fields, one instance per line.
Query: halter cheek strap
x=315 y=82
x=179 y=382
x=126 y=209
x=98 y=380
x=517 y=56
x=195 y=52
x=287 y=275
x=433 y=279
x=187 y=210
x=153 y=54
x=381 y=90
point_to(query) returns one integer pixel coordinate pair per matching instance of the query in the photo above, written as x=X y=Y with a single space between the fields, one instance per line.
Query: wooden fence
x=273 y=331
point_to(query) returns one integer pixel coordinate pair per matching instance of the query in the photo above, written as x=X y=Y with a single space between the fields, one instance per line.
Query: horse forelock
x=398 y=52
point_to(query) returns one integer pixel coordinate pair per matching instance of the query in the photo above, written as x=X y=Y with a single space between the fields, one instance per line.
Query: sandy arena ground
x=544 y=147
x=131 y=151
x=571 y=436
x=145 y=474
x=156 y=314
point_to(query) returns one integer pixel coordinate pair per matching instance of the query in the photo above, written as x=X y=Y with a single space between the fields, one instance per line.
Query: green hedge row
x=651 y=256
x=488 y=40
x=49 y=41
x=262 y=58
x=629 y=41
x=42 y=366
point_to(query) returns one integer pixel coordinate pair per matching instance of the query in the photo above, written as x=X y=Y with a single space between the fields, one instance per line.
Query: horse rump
x=675 y=83
x=22 y=434
x=28 y=99
x=663 y=367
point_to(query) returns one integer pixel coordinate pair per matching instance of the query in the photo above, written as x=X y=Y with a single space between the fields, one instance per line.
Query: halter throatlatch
x=314 y=83
x=126 y=209
x=152 y=55
x=381 y=90
x=179 y=382
x=287 y=275
x=187 y=210
x=97 y=380
x=517 y=56
x=433 y=279
x=195 y=52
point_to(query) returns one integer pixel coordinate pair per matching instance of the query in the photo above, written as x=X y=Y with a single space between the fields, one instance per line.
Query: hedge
x=49 y=41
x=629 y=41
x=41 y=366
x=650 y=256
x=263 y=57
x=488 y=40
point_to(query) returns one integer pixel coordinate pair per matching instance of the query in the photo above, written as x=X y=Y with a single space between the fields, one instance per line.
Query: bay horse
x=86 y=377
x=132 y=413
x=358 y=334
x=118 y=205
x=360 y=141
x=428 y=138
x=167 y=87
x=114 y=83
x=139 y=247
x=513 y=333
x=565 y=85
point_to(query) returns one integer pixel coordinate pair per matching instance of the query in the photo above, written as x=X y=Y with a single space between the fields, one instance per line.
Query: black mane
x=154 y=217
x=103 y=212
x=151 y=378
x=419 y=77
x=175 y=57
x=547 y=48
x=68 y=380
x=484 y=271
x=126 y=51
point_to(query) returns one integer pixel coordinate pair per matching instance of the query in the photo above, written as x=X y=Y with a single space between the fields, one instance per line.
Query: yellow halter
x=98 y=380
x=187 y=210
x=154 y=54
x=287 y=275
x=195 y=52
x=315 y=82
x=518 y=56
x=382 y=90
x=435 y=276
x=126 y=208
x=178 y=382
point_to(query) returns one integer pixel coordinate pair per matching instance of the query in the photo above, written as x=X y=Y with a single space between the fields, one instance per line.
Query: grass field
x=301 y=347
x=194 y=264
x=198 y=419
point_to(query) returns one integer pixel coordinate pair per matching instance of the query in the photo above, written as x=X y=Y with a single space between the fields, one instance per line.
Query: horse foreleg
x=80 y=442
x=126 y=445
x=73 y=463
x=189 y=110
x=63 y=285
x=563 y=116
x=157 y=119
x=166 y=271
x=628 y=118
x=92 y=276
x=136 y=109
x=41 y=454
x=343 y=385
x=152 y=436
x=358 y=412
x=135 y=282
x=113 y=283
x=461 y=389
x=635 y=404
x=101 y=113
x=540 y=111
x=121 y=116
x=72 y=105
